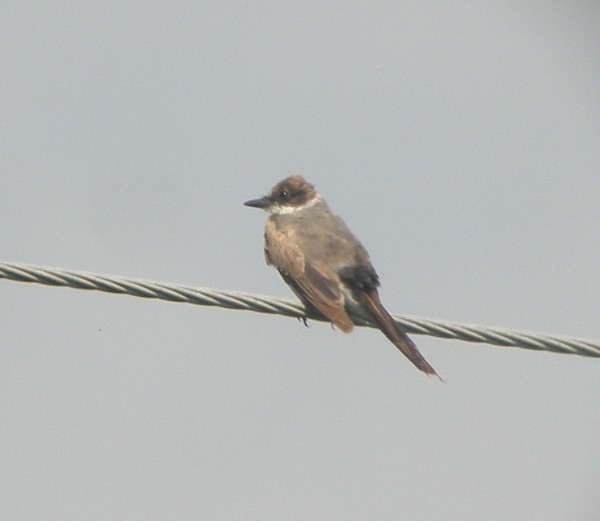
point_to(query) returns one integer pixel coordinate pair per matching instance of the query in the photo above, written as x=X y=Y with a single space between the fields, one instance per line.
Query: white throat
x=280 y=210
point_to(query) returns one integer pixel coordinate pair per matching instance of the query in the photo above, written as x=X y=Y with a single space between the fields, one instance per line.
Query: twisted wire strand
x=261 y=304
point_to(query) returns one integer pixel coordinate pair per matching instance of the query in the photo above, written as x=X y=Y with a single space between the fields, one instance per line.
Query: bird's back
x=323 y=237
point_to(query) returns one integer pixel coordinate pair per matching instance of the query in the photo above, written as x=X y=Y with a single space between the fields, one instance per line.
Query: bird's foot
x=304 y=320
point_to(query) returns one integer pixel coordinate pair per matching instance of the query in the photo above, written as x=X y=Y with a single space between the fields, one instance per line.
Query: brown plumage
x=314 y=287
x=325 y=265
x=370 y=299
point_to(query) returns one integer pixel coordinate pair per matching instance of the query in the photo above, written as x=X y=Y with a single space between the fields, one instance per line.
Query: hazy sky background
x=459 y=140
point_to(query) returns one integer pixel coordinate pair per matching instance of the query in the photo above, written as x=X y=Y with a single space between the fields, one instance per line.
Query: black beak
x=263 y=202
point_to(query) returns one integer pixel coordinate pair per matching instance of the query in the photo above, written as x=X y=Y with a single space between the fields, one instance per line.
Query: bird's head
x=292 y=194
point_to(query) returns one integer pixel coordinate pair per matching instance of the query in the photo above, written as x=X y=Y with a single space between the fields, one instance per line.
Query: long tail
x=370 y=299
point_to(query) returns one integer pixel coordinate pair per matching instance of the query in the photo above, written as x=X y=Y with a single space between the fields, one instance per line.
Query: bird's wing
x=313 y=283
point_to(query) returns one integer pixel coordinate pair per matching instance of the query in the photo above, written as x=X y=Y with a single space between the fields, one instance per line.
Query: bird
x=324 y=263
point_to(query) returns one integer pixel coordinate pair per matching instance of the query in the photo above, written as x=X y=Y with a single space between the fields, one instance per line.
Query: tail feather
x=370 y=299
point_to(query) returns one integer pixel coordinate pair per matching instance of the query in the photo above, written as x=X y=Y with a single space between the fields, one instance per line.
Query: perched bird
x=325 y=265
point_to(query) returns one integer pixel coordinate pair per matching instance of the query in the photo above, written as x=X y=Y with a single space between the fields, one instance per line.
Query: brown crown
x=292 y=191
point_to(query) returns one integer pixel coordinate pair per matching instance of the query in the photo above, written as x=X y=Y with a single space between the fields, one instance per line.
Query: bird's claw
x=304 y=320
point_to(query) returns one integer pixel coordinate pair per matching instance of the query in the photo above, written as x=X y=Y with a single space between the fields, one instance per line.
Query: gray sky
x=460 y=141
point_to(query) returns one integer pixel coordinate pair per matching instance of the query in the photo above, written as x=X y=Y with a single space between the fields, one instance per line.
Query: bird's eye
x=285 y=194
